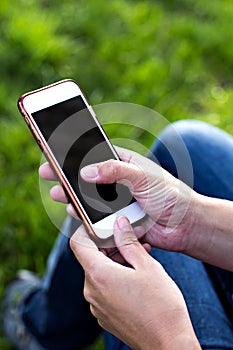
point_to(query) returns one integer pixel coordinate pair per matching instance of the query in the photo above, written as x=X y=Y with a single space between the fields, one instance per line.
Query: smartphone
x=71 y=137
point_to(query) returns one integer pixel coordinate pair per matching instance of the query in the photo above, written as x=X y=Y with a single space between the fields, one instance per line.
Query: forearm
x=212 y=232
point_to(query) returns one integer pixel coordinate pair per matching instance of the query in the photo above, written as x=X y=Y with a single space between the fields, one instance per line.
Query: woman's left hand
x=139 y=304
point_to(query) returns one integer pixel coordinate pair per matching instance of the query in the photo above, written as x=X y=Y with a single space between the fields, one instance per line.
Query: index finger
x=128 y=156
x=47 y=173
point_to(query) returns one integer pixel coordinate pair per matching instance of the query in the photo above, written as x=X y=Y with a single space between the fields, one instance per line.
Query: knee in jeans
x=189 y=131
x=176 y=146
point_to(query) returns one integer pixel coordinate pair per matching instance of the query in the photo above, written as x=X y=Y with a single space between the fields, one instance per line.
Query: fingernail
x=89 y=171
x=123 y=223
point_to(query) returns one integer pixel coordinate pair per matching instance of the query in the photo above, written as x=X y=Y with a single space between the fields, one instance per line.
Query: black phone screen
x=76 y=141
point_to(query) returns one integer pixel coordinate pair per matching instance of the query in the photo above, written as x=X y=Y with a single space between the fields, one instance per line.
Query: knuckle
x=101 y=323
x=110 y=168
x=129 y=241
x=115 y=167
x=87 y=294
x=96 y=278
x=93 y=310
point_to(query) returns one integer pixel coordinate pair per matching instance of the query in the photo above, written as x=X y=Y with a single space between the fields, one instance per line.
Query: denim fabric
x=211 y=325
x=211 y=153
x=57 y=313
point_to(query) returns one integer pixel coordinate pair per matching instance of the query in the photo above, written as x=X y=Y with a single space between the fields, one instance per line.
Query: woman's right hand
x=169 y=203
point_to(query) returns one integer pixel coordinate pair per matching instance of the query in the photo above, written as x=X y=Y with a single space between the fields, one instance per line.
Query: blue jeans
x=57 y=313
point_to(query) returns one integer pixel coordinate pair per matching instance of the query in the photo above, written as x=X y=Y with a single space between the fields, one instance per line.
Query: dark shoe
x=17 y=291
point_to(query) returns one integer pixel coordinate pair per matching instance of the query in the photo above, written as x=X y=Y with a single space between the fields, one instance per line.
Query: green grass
x=175 y=57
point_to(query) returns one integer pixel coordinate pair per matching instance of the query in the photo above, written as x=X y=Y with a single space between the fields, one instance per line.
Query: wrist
x=210 y=235
x=171 y=335
x=199 y=224
x=180 y=335
x=183 y=342
x=192 y=223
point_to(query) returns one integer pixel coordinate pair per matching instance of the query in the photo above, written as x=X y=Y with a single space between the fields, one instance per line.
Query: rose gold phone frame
x=49 y=154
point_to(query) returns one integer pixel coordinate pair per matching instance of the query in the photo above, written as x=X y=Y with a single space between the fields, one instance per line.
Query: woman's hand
x=168 y=202
x=139 y=304
x=179 y=218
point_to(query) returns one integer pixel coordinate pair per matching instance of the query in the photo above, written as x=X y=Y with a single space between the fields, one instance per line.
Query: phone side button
x=27 y=120
x=40 y=145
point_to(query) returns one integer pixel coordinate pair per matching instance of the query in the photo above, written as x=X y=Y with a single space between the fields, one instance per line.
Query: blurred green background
x=173 y=56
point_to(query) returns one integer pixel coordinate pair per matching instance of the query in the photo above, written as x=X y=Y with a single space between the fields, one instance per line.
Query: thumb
x=113 y=171
x=128 y=244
